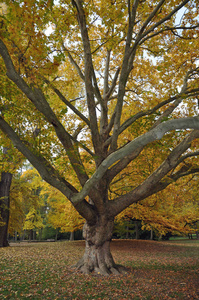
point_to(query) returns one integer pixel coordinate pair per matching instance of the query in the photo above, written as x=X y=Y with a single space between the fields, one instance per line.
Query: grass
x=157 y=270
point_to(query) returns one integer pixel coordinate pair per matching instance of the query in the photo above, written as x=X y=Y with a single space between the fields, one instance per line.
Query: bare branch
x=141 y=35
x=132 y=119
x=73 y=62
x=151 y=16
x=82 y=146
x=106 y=73
x=171 y=108
x=123 y=75
x=167 y=29
x=168 y=17
x=188 y=155
x=89 y=76
x=111 y=89
x=68 y=103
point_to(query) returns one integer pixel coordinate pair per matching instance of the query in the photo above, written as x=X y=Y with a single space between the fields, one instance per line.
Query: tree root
x=103 y=269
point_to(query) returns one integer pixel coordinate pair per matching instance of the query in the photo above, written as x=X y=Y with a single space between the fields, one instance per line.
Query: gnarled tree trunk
x=5 y=183
x=97 y=256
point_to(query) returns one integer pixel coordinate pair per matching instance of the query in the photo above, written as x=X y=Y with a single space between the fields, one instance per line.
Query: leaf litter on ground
x=157 y=270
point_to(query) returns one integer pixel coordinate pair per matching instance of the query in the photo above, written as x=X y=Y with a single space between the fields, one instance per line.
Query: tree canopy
x=88 y=86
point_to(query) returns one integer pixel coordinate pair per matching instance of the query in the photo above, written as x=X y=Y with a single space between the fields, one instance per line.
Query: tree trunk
x=56 y=234
x=5 y=183
x=136 y=230
x=127 y=232
x=151 y=236
x=15 y=236
x=30 y=234
x=97 y=256
x=72 y=236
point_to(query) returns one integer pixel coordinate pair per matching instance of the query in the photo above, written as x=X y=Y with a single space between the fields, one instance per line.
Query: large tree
x=83 y=73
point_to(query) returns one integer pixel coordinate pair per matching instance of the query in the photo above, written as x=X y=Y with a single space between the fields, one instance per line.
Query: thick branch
x=36 y=96
x=140 y=114
x=184 y=171
x=153 y=183
x=47 y=172
x=121 y=164
x=155 y=134
x=123 y=75
x=89 y=77
x=188 y=155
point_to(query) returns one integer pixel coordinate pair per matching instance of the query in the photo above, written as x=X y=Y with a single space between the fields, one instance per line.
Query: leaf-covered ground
x=157 y=270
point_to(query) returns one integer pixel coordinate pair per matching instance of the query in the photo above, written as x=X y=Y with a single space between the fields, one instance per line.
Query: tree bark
x=97 y=256
x=72 y=236
x=5 y=183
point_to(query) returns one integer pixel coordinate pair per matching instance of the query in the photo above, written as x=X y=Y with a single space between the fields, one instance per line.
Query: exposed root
x=97 y=257
x=103 y=269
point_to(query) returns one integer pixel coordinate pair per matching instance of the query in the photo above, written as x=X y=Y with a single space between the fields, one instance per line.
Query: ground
x=157 y=270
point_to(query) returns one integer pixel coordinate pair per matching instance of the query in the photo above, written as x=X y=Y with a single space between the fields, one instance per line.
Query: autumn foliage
x=102 y=98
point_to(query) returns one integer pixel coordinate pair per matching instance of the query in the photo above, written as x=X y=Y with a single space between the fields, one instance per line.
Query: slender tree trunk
x=56 y=234
x=31 y=235
x=136 y=230
x=97 y=256
x=5 y=183
x=40 y=233
x=127 y=232
x=72 y=236
x=151 y=237
x=23 y=235
x=197 y=232
x=15 y=236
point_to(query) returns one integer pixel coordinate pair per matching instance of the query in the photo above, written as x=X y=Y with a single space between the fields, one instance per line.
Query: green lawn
x=157 y=270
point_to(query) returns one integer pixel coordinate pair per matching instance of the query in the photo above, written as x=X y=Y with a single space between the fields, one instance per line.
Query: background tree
x=107 y=66
x=61 y=214
x=5 y=183
x=10 y=160
x=27 y=207
x=166 y=211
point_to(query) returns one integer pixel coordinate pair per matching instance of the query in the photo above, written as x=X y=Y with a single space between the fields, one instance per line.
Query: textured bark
x=5 y=183
x=97 y=256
